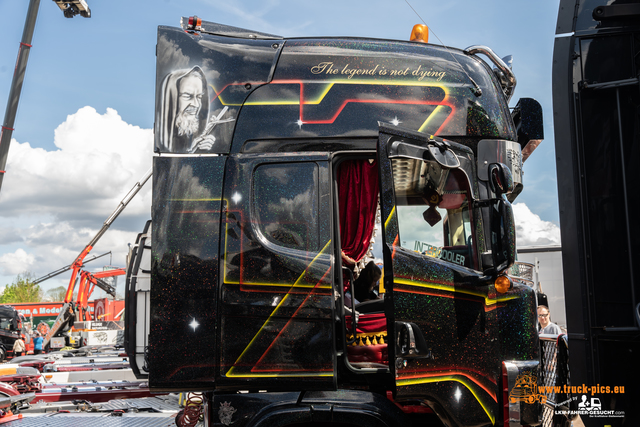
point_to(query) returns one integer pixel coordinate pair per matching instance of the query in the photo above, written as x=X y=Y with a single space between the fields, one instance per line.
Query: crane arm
x=64 y=269
x=78 y=263
x=66 y=314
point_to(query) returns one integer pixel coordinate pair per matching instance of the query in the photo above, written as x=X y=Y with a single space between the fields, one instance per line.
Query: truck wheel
x=3 y=354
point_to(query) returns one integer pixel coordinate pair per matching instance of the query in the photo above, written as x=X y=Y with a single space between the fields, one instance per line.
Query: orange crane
x=88 y=282
x=67 y=313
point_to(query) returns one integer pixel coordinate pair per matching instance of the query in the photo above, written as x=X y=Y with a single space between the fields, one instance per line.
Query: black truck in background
x=11 y=322
x=596 y=100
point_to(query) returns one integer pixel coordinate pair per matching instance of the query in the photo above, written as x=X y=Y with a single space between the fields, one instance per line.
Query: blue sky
x=83 y=132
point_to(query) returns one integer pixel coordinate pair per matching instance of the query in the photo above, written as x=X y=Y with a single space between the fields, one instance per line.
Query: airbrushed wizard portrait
x=183 y=121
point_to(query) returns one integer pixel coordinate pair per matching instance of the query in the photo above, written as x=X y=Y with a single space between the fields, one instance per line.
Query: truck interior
x=435 y=220
x=357 y=189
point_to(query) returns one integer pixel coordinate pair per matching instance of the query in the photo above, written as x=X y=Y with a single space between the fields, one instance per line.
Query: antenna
x=476 y=89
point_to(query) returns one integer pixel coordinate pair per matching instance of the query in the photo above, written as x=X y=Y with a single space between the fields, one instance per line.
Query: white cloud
x=533 y=231
x=16 y=262
x=99 y=158
x=54 y=202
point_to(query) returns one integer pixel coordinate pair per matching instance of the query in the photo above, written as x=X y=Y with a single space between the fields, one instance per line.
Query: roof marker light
x=420 y=33
x=195 y=23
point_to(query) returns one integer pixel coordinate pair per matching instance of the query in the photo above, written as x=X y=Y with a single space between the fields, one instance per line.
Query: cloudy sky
x=83 y=132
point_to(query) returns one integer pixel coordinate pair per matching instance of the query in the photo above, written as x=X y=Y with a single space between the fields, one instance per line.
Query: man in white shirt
x=546 y=325
x=18 y=347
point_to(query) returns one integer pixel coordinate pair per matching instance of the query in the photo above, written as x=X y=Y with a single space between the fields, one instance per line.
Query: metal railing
x=554 y=379
x=523 y=272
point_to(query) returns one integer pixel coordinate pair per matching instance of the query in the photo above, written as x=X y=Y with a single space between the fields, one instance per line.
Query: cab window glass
x=434 y=211
x=5 y=323
x=286 y=204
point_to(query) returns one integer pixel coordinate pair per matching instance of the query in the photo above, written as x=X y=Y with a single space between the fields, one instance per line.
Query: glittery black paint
x=468 y=327
x=227 y=68
x=276 y=295
x=245 y=248
x=184 y=271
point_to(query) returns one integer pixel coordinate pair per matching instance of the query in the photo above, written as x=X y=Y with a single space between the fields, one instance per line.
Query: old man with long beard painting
x=182 y=122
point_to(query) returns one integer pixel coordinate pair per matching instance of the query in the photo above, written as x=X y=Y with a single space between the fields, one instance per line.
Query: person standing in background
x=37 y=343
x=18 y=347
x=546 y=326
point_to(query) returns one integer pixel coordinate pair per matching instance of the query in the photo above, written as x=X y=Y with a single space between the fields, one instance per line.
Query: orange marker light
x=195 y=23
x=420 y=33
x=503 y=284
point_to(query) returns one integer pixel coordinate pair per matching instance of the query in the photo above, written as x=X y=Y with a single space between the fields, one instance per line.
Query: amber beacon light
x=420 y=33
x=503 y=284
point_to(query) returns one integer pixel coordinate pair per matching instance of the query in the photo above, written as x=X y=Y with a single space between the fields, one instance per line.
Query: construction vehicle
x=276 y=158
x=11 y=328
x=67 y=316
x=88 y=282
x=99 y=328
x=596 y=99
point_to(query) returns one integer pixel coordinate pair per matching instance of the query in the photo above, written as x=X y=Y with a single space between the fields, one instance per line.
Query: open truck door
x=440 y=304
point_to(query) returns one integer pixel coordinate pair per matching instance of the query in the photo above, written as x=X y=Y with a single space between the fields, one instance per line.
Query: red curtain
x=358 y=188
x=368 y=323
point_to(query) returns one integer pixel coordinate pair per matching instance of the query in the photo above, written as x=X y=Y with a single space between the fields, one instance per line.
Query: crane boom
x=63 y=269
x=16 y=85
x=123 y=204
x=66 y=314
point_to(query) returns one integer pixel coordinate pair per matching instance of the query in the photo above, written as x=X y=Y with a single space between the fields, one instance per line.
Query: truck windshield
x=5 y=323
x=434 y=211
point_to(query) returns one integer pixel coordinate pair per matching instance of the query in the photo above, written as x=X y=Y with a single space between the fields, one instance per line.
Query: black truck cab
x=276 y=162
x=11 y=322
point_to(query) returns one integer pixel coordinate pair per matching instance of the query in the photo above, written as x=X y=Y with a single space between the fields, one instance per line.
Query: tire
x=3 y=354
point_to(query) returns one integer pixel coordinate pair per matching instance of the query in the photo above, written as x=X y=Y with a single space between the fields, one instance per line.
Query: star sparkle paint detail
x=458 y=393
x=194 y=324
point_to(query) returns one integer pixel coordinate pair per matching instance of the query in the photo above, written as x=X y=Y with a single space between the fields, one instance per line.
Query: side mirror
x=500 y=157
x=503 y=236
x=527 y=116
